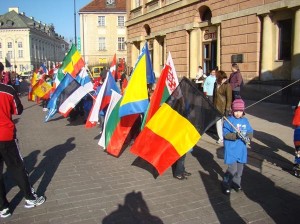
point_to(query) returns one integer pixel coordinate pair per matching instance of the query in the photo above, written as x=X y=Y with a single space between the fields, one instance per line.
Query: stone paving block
x=85 y=179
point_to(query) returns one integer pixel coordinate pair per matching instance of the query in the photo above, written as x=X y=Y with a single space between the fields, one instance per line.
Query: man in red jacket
x=10 y=104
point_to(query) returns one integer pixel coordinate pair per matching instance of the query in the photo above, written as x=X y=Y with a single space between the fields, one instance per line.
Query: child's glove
x=245 y=139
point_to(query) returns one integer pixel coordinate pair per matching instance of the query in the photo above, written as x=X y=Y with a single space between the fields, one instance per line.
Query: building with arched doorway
x=263 y=37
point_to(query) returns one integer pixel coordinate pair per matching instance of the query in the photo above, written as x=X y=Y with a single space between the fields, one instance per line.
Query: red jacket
x=10 y=104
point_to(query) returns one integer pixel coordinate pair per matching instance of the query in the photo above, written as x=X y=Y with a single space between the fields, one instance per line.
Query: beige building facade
x=103 y=32
x=26 y=43
x=262 y=36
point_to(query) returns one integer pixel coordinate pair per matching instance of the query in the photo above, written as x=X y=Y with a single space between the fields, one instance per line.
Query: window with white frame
x=285 y=30
x=121 y=21
x=0 y=54
x=101 y=20
x=9 y=54
x=20 y=44
x=121 y=43
x=20 y=52
x=102 y=44
x=0 y=44
x=9 y=44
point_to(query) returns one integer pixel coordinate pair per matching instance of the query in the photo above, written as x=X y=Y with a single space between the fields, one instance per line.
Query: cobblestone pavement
x=85 y=185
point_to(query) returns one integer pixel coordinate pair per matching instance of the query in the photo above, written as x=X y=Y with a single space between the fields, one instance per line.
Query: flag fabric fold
x=166 y=84
x=135 y=99
x=111 y=119
x=84 y=80
x=175 y=127
x=113 y=66
x=73 y=62
x=103 y=98
x=116 y=129
x=53 y=102
x=33 y=81
x=41 y=88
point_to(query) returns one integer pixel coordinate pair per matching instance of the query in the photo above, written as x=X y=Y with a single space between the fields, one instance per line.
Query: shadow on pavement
x=283 y=208
x=276 y=113
x=270 y=152
x=45 y=169
x=134 y=210
x=49 y=164
x=260 y=189
x=219 y=202
x=143 y=164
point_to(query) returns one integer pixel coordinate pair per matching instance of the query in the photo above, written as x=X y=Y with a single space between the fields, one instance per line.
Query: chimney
x=16 y=9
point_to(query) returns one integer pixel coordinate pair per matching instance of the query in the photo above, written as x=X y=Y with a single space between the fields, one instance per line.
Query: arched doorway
x=208 y=41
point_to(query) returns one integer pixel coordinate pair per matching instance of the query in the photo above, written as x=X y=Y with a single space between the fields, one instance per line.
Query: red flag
x=121 y=69
x=113 y=66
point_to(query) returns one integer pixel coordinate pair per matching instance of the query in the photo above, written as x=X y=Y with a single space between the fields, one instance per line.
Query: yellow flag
x=41 y=89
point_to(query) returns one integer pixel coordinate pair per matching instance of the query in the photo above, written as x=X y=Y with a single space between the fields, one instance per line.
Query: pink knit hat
x=238 y=105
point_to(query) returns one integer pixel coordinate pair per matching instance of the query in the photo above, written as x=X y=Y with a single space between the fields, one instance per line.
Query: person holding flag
x=237 y=135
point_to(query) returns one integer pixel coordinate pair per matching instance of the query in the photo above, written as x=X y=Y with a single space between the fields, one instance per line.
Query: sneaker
x=220 y=141
x=4 y=213
x=35 y=202
x=236 y=187
x=225 y=189
x=45 y=109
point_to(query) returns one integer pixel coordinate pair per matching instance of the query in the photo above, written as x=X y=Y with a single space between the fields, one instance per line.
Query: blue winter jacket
x=236 y=150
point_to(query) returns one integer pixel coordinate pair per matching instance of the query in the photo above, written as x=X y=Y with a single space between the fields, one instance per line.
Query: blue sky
x=58 y=12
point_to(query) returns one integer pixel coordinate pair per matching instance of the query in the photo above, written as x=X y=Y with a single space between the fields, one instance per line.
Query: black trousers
x=10 y=154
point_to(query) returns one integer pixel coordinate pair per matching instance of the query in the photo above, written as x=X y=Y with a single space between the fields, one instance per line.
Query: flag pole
x=272 y=94
x=75 y=24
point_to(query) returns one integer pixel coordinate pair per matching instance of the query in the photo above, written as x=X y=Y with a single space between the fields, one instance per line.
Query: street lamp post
x=75 y=23
x=15 y=46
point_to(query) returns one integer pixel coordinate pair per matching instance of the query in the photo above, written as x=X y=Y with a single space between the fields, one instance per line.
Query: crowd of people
x=13 y=79
x=234 y=129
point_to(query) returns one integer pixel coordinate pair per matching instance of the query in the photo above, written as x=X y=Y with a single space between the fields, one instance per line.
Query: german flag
x=176 y=127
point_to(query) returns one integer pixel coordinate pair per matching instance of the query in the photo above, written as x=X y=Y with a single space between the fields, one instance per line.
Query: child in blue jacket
x=237 y=133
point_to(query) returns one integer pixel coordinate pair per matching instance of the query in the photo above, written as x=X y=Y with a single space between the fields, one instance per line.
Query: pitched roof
x=101 y=6
x=14 y=20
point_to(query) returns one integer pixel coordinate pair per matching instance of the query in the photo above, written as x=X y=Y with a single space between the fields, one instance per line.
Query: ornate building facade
x=262 y=36
x=26 y=43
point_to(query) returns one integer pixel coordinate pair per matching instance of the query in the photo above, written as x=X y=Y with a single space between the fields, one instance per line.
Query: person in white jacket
x=200 y=77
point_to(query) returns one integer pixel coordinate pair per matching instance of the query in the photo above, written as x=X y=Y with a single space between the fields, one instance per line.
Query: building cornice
x=259 y=10
x=99 y=12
